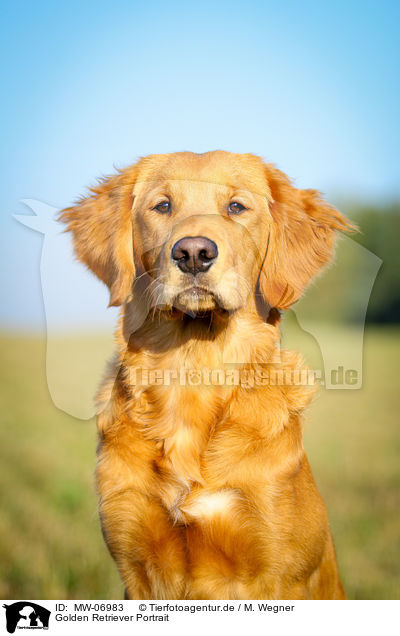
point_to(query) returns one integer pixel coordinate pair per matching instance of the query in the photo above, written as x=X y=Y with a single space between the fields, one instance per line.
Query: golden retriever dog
x=204 y=486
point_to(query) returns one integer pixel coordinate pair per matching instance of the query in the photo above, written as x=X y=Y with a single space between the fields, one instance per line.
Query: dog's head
x=203 y=233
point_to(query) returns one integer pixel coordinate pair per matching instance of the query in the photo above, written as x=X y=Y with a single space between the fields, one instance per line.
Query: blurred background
x=91 y=86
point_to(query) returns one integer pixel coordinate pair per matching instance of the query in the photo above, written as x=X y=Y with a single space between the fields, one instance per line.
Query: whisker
x=155 y=269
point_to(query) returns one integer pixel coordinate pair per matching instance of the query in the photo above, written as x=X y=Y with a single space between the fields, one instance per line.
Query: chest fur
x=180 y=421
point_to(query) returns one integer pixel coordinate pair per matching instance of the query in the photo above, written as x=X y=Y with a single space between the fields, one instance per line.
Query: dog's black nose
x=194 y=254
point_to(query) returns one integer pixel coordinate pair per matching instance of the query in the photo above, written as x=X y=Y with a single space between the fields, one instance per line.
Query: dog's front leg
x=148 y=549
x=224 y=546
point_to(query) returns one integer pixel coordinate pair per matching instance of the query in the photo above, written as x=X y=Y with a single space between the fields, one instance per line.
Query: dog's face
x=201 y=225
x=199 y=233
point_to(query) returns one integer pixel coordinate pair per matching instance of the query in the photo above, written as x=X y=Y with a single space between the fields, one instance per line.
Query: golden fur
x=205 y=489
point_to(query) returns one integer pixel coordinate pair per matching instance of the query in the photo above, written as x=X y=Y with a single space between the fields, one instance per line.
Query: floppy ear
x=101 y=225
x=301 y=241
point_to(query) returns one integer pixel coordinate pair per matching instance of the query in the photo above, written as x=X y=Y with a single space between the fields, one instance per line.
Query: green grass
x=50 y=540
x=353 y=441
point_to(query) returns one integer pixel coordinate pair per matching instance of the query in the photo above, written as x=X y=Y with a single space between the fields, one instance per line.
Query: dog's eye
x=164 y=207
x=235 y=208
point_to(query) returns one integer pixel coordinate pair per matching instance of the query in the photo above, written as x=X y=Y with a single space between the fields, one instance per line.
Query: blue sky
x=311 y=86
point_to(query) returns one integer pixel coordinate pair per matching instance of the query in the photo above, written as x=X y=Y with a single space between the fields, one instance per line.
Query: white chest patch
x=207 y=505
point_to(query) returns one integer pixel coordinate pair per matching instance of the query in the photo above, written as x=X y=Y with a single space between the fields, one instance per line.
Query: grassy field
x=50 y=541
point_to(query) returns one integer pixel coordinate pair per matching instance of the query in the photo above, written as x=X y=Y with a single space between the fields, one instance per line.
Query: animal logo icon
x=26 y=615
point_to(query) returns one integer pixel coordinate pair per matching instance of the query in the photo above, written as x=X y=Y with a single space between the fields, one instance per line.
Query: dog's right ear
x=101 y=224
x=301 y=241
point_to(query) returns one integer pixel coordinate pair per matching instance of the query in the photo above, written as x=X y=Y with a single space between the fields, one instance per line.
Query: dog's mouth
x=196 y=300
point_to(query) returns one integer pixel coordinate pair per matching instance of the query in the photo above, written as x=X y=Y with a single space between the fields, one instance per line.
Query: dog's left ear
x=301 y=240
x=101 y=225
